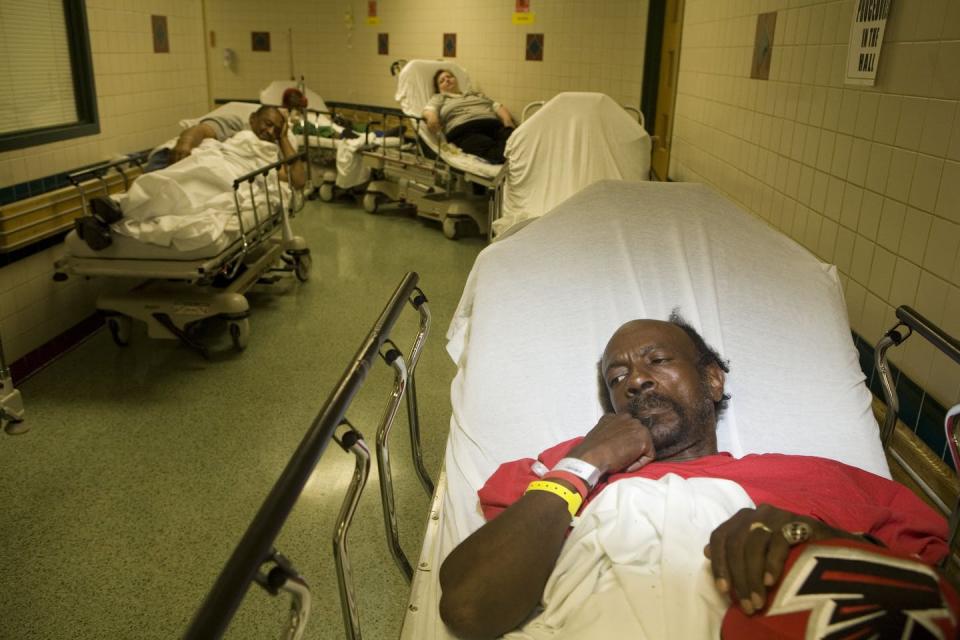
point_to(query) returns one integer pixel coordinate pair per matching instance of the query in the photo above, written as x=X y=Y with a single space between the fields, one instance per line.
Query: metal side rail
x=403 y=381
x=256 y=547
x=913 y=322
x=11 y=404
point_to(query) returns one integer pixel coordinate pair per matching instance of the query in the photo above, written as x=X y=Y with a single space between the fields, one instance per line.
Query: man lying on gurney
x=268 y=123
x=869 y=570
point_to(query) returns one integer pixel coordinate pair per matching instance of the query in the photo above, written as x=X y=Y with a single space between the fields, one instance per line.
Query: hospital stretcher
x=176 y=289
x=588 y=134
x=535 y=315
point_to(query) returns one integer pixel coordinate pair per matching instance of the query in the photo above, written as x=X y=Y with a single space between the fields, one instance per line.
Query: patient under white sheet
x=190 y=204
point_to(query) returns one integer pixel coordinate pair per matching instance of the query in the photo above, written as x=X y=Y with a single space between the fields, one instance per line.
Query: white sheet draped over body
x=631 y=567
x=574 y=140
x=190 y=204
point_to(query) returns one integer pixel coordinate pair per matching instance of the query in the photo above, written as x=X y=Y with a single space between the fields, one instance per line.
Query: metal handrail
x=256 y=546
x=403 y=380
x=914 y=322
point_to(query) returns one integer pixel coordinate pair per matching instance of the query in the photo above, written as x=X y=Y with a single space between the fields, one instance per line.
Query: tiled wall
x=867 y=178
x=140 y=95
x=589 y=46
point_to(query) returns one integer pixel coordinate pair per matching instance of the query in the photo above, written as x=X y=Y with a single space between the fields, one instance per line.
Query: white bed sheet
x=539 y=307
x=191 y=204
x=587 y=134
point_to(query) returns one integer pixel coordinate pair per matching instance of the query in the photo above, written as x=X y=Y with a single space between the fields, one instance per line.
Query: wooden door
x=667 y=87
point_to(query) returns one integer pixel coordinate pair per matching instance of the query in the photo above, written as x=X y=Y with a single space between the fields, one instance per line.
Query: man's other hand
x=748 y=551
x=619 y=442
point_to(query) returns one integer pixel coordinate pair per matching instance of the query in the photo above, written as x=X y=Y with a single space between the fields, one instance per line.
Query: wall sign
x=161 y=37
x=260 y=40
x=763 y=45
x=535 y=46
x=866 y=38
x=383 y=44
x=449 y=45
x=372 y=17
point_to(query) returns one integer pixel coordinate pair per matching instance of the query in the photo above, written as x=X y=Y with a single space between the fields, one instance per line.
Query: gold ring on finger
x=759 y=525
x=796 y=532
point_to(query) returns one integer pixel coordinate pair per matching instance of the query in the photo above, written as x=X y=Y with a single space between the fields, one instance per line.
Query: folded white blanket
x=633 y=566
x=190 y=204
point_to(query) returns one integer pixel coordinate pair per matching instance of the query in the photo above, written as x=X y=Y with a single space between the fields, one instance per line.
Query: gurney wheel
x=120 y=329
x=240 y=333
x=370 y=202
x=450 y=228
x=302 y=266
x=326 y=192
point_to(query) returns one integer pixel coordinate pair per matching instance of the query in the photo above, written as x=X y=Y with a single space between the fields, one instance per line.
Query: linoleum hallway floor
x=144 y=465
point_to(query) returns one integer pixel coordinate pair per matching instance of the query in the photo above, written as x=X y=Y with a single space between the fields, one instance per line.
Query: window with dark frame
x=82 y=120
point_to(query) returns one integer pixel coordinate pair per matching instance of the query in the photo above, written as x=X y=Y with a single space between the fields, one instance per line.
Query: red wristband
x=577 y=482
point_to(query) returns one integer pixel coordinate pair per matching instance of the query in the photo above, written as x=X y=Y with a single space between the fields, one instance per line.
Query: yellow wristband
x=572 y=498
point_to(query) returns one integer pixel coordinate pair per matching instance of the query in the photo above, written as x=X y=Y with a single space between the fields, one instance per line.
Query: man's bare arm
x=189 y=139
x=495 y=578
x=432 y=119
x=297 y=172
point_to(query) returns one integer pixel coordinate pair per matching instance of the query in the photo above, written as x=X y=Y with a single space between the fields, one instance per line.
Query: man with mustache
x=664 y=391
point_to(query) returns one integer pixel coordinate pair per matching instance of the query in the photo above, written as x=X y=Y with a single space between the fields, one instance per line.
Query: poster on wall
x=866 y=38
x=161 y=38
x=372 y=17
x=449 y=45
x=522 y=13
x=535 y=46
x=260 y=40
x=383 y=44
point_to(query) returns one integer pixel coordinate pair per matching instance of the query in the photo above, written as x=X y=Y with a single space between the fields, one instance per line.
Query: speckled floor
x=145 y=464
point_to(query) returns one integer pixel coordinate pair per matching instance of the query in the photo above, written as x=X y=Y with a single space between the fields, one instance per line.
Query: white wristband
x=583 y=470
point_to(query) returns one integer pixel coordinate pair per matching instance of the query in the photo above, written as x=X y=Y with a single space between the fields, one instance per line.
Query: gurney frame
x=217 y=284
x=255 y=559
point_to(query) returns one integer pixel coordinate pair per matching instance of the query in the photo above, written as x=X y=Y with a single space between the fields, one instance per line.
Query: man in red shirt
x=666 y=390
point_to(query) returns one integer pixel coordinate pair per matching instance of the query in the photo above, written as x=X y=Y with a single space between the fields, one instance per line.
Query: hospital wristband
x=578 y=483
x=572 y=498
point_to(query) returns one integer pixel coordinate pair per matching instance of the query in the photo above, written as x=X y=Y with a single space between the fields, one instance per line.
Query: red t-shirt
x=835 y=493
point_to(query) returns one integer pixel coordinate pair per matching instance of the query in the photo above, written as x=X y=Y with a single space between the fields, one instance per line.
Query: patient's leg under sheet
x=633 y=567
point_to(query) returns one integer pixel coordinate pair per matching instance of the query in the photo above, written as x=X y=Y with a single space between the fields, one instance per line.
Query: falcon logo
x=854 y=593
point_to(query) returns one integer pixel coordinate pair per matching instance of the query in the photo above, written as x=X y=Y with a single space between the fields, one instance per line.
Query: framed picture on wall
x=161 y=37
x=260 y=40
x=535 y=46
x=449 y=45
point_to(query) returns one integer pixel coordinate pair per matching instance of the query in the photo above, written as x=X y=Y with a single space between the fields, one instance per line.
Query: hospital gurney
x=539 y=306
x=180 y=288
x=588 y=134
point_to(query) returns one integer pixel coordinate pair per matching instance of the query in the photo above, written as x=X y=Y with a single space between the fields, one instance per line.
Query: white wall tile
x=870 y=210
x=948 y=198
x=902 y=164
x=926 y=182
x=879 y=167
x=942 y=247
x=906 y=279
x=891 y=224
x=916 y=232
x=881 y=272
x=910 y=124
x=937 y=122
x=888 y=117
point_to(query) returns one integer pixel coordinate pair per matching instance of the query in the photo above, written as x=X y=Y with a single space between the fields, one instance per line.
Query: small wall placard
x=260 y=40
x=535 y=46
x=383 y=44
x=449 y=45
x=161 y=38
x=763 y=46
